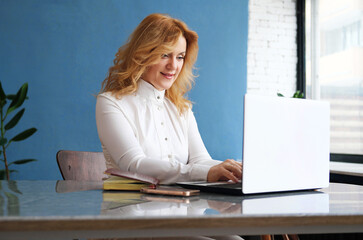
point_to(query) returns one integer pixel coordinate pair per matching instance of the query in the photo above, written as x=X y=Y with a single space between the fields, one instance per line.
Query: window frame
x=301 y=74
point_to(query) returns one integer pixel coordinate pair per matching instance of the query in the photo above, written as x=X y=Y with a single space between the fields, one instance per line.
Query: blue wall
x=63 y=49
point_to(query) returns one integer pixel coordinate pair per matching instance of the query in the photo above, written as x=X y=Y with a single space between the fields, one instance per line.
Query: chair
x=81 y=166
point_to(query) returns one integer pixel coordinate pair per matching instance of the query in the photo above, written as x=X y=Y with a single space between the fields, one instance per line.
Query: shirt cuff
x=199 y=172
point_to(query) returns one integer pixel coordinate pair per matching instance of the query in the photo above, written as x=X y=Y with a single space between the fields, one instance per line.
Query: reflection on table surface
x=72 y=198
x=135 y=204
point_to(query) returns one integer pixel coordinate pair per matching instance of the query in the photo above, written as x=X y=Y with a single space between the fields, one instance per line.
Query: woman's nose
x=172 y=63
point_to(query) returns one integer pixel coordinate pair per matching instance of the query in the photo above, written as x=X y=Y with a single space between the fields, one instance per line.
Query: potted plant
x=297 y=94
x=16 y=100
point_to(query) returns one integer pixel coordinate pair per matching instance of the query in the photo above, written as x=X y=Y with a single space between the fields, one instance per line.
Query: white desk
x=68 y=210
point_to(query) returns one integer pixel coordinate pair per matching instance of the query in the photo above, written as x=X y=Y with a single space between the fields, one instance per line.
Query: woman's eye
x=164 y=55
x=181 y=58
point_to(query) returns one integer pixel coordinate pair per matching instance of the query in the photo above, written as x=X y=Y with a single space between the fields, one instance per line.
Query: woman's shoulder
x=126 y=103
x=109 y=96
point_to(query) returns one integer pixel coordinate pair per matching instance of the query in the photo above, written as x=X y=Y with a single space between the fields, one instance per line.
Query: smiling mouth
x=167 y=75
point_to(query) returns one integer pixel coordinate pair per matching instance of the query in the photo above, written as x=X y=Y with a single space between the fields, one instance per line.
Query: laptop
x=285 y=147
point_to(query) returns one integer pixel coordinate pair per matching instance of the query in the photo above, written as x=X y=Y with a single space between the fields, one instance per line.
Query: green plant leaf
x=11 y=96
x=23 y=161
x=19 y=99
x=296 y=94
x=3 y=141
x=2 y=95
x=280 y=95
x=24 y=135
x=2 y=103
x=14 y=120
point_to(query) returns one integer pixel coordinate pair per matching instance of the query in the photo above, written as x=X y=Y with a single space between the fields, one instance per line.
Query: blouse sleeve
x=117 y=136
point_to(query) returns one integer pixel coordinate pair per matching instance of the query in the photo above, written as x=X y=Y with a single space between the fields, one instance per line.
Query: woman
x=144 y=120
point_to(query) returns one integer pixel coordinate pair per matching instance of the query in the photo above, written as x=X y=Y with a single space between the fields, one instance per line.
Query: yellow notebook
x=121 y=180
x=121 y=183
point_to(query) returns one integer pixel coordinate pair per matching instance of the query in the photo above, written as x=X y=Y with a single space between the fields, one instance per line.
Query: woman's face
x=163 y=74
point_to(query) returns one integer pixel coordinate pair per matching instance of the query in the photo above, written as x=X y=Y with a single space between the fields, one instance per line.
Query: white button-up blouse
x=144 y=133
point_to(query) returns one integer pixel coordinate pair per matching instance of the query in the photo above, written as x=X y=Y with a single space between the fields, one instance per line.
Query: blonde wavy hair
x=156 y=35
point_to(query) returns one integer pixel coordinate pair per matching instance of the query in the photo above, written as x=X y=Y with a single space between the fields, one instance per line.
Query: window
x=334 y=68
x=340 y=39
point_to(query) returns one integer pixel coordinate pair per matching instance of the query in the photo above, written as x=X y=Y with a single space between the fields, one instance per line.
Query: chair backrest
x=81 y=166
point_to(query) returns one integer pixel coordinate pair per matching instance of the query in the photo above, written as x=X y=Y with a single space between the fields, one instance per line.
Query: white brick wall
x=272 y=50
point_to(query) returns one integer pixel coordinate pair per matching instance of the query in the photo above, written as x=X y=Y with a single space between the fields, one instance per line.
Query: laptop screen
x=286 y=144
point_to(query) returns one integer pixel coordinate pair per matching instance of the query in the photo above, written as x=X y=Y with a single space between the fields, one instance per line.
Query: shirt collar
x=148 y=91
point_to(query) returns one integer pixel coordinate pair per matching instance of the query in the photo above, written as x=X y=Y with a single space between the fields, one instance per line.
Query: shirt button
x=162 y=123
x=166 y=139
x=158 y=97
x=159 y=108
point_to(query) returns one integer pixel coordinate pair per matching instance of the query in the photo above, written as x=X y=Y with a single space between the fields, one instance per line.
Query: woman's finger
x=231 y=161
x=229 y=175
x=234 y=169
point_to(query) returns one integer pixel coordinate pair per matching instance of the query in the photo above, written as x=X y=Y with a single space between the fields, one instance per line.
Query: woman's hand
x=227 y=170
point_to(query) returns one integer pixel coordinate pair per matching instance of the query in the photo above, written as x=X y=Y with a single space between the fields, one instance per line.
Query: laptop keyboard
x=228 y=185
